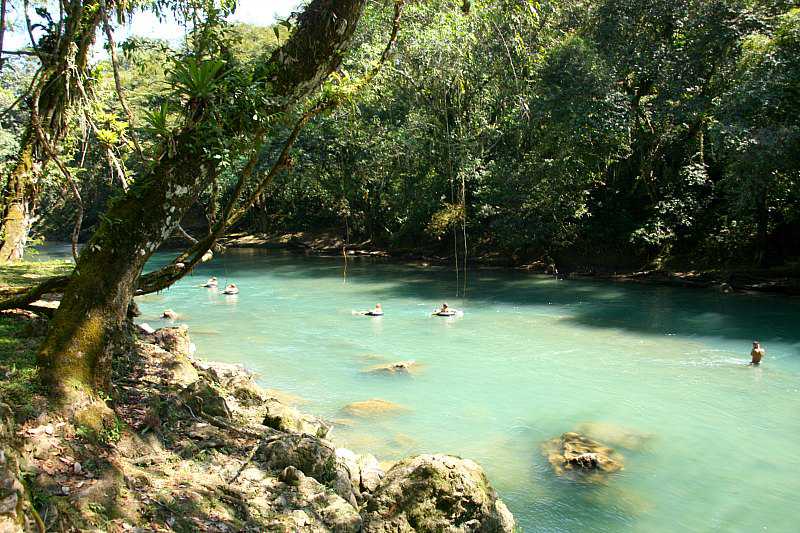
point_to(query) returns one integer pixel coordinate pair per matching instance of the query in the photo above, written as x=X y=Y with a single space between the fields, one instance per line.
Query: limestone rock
x=436 y=493
x=285 y=418
x=175 y=367
x=313 y=457
x=579 y=456
x=175 y=340
x=202 y=396
x=373 y=408
x=309 y=506
x=370 y=473
x=169 y=314
x=237 y=380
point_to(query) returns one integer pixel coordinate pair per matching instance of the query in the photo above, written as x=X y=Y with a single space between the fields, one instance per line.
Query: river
x=709 y=442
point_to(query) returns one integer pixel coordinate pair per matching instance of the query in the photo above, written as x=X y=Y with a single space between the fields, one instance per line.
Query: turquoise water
x=532 y=357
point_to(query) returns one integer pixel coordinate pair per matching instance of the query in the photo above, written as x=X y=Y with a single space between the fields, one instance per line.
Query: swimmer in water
x=378 y=311
x=444 y=310
x=212 y=283
x=231 y=289
x=757 y=353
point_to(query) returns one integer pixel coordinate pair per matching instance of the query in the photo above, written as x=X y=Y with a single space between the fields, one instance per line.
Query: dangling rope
x=452 y=187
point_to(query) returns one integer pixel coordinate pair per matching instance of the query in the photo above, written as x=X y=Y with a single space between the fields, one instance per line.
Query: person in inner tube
x=377 y=311
x=444 y=310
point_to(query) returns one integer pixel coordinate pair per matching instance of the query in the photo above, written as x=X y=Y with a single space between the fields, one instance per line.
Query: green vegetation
x=20 y=386
x=26 y=273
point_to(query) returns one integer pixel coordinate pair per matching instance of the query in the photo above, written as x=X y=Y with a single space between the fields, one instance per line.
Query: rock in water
x=169 y=314
x=436 y=493
x=577 y=455
x=399 y=368
x=373 y=408
x=615 y=435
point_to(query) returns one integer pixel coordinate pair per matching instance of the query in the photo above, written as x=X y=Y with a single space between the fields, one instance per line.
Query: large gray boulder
x=306 y=505
x=313 y=457
x=436 y=493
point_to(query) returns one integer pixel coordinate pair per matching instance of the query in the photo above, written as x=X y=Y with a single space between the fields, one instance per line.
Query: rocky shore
x=199 y=446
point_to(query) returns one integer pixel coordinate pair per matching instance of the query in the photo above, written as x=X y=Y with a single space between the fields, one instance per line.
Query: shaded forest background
x=594 y=134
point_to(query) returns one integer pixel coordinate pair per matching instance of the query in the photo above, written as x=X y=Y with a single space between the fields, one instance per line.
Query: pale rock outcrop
x=175 y=340
x=236 y=379
x=436 y=493
x=306 y=505
x=286 y=418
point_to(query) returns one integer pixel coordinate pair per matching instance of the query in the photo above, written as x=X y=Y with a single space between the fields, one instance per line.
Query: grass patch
x=20 y=385
x=26 y=273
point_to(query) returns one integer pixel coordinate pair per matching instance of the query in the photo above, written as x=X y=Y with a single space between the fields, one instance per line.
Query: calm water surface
x=715 y=445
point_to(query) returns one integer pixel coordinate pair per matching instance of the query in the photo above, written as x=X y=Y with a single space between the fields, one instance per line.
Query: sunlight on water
x=709 y=443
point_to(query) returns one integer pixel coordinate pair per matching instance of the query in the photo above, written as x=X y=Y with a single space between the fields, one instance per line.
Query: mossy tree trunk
x=90 y=324
x=18 y=204
x=64 y=63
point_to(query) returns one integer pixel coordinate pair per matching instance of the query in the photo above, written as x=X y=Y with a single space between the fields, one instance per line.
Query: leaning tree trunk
x=18 y=204
x=90 y=323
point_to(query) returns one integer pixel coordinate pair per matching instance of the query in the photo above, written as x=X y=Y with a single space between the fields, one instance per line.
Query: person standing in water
x=757 y=353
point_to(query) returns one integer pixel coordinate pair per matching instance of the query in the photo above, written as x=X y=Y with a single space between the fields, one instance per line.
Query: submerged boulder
x=436 y=493
x=373 y=408
x=285 y=418
x=577 y=455
x=313 y=457
x=403 y=368
x=615 y=435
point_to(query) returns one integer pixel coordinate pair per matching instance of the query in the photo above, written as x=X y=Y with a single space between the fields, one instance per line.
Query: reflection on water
x=659 y=373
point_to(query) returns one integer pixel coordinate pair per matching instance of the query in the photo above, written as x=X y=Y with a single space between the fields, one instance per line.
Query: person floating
x=212 y=283
x=377 y=311
x=231 y=288
x=757 y=353
x=445 y=310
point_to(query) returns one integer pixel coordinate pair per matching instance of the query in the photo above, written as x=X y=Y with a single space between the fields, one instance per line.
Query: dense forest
x=579 y=135
x=618 y=133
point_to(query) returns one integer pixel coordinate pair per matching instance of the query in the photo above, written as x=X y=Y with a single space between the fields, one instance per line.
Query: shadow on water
x=640 y=309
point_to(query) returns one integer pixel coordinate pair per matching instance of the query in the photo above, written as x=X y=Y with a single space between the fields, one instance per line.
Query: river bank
x=199 y=446
x=783 y=280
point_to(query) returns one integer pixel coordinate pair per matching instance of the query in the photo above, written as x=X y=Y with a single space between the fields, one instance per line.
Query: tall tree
x=63 y=51
x=225 y=106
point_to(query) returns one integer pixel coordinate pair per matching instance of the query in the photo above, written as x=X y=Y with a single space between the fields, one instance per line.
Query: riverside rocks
x=285 y=418
x=185 y=460
x=313 y=457
x=576 y=455
x=175 y=340
x=436 y=493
